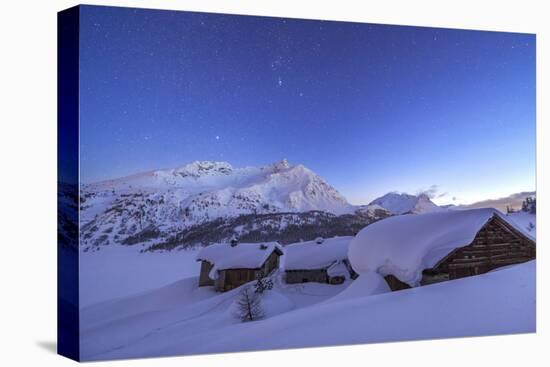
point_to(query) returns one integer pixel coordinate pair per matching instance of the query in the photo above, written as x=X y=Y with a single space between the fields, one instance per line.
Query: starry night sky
x=370 y=108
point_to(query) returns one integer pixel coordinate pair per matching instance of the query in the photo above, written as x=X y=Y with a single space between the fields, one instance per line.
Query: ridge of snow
x=368 y=284
x=200 y=168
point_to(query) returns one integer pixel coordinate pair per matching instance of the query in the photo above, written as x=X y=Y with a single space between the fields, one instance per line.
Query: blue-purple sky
x=370 y=108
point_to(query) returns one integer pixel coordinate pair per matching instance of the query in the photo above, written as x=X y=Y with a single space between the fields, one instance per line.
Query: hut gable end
x=227 y=267
x=496 y=244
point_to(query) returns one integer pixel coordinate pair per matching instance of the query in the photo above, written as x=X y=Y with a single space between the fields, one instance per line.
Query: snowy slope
x=140 y=206
x=140 y=324
x=120 y=271
x=524 y=221
x=397 y=203
x=183 y=319
x=501 y=302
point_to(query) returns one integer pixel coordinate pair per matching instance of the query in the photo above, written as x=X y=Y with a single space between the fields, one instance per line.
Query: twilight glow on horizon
x=370 y=108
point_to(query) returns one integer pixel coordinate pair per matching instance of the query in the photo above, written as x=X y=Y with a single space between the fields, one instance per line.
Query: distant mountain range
x=205 y=202
x=397 y=203
x=513 y=201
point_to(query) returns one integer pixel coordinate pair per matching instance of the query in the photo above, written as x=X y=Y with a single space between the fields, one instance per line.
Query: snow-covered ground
x=181 y=318
x=143 y=324
x=118 y=271
x=527 y=222
x=149 y=304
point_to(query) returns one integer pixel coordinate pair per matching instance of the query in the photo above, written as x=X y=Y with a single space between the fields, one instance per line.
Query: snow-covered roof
x=242 y=256
x=311 y=255
x=407 y=244
x=338 y=269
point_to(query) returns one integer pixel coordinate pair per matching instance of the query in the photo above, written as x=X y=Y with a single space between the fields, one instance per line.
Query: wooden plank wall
x=494 y=246
x=204 y=279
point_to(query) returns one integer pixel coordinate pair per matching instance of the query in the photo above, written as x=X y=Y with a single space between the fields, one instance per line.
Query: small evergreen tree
x=262 y=284
x=529 y=205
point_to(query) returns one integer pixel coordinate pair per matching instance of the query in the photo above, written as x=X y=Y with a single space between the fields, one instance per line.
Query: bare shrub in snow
x=249 y=305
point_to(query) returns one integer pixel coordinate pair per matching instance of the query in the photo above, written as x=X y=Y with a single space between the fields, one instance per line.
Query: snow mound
x=407 y=244
x=272 y=303
x=311 y=255
x=338 y=269
x=368 y=284
x=243 y=255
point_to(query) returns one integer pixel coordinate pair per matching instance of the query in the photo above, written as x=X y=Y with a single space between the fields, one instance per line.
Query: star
x=280 y=82
x=217 y=137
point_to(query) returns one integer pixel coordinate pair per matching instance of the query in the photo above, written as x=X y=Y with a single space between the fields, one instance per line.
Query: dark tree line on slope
x=282 y=227
x=529 y=205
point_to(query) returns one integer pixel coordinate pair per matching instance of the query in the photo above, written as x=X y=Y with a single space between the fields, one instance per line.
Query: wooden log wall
x=497 y=244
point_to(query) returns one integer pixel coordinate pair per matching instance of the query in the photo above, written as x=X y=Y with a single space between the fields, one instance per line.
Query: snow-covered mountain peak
x=402 y=203
x=278 y=166
x=172 y=200
x=203 y=168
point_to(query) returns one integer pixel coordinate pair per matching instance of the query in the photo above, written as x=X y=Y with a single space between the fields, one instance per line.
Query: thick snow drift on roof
x=311 y=255
x=407 y=244
x=242 y=256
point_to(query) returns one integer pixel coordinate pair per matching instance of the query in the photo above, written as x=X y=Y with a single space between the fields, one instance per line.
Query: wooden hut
x=496 y=243
x=228 y=266
x=321 y=261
